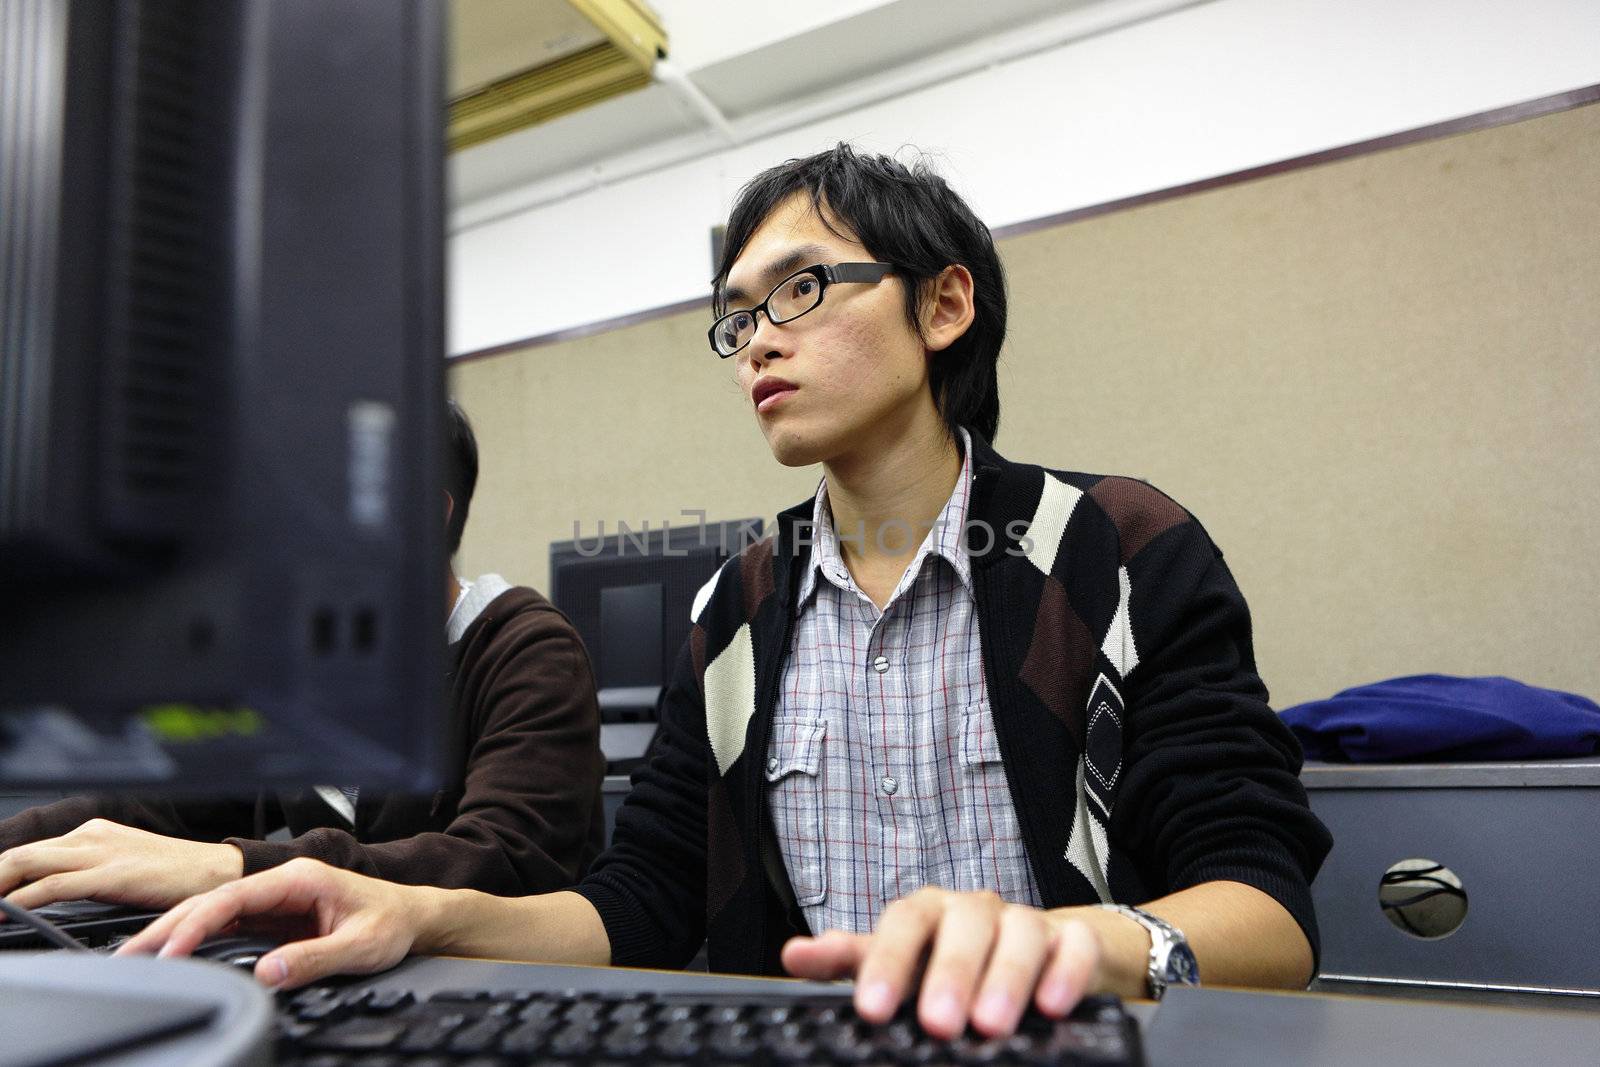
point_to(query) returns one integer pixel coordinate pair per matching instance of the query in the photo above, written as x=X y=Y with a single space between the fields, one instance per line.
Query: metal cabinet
x=1524 y=840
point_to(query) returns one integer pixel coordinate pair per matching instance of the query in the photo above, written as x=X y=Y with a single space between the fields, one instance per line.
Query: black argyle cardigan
x=1141 y=754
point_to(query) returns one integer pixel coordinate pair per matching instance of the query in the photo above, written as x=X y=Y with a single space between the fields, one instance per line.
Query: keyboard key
x=732 y=1041
x=631 y=1011
x=311 y=996
x=389 y=999
x=540 y=1010
x=773 y=1014
x=357 y=1035
x=679 y=1040
x=322 y=1011
x=423 y=1039
x=481 y=1036
x=627 y=1041
x=325 y=1061
x=525 y=1039
x=727 y=1013
x=573 y=1041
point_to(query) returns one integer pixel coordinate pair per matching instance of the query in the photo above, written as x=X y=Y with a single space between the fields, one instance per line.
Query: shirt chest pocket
x=980 y=745
x=794 y=793
x=992 y=852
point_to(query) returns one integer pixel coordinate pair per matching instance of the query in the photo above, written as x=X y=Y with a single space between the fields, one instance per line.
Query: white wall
x=1205 y=90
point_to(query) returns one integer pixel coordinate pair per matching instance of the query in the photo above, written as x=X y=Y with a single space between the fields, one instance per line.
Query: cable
x=43 y=927
x=1428 y=885
x=1426 y=894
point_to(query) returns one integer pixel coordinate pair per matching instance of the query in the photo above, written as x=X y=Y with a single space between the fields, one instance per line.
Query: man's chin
x=794 y=449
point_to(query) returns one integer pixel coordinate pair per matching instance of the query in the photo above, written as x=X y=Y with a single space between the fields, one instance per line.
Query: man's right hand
x=339 y=922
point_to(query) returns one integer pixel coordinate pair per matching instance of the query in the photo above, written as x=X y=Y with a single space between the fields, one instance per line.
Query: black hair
x=910 y=218
x=461 y=474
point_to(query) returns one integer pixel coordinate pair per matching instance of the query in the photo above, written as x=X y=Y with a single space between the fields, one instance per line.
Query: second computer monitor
x=629 y=597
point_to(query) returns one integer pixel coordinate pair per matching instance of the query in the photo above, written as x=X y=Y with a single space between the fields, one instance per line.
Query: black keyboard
x=94 y=924
x=330 y=1027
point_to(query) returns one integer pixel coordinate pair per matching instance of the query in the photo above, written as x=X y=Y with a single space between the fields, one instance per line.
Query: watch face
x=1181 y=967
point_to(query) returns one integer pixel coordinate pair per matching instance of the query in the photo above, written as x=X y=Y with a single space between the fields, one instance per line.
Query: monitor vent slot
x=167 y=283
x=32 y=58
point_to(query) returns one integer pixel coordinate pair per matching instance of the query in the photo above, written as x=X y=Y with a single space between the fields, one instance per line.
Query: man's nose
x=767 y=342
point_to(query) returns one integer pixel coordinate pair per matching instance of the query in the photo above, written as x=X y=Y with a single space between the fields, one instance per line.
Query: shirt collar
x=475 y=596
x=946 y=539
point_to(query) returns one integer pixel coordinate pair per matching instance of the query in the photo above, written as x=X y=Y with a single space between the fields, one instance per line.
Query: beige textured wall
x=1376 y=381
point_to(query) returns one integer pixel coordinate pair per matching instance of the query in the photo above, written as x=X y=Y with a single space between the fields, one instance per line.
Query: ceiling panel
x=872 y=42
x=491 y=39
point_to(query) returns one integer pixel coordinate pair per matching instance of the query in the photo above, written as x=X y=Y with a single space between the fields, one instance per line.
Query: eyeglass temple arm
x=858 y=272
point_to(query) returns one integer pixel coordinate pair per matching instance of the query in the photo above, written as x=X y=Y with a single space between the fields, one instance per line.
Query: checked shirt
x=883 y=764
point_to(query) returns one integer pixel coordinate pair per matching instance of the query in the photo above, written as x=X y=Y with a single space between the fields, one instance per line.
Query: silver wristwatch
x=1171 y=960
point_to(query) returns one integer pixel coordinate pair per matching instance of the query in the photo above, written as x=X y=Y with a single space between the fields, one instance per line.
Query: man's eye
x=804 y=287
x=732 y=328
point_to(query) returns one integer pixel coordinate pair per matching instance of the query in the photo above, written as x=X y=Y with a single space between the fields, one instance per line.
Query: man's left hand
x=106 y=861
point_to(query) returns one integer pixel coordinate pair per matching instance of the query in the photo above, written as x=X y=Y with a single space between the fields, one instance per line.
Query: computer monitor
x=629 y=596
x=222 y=564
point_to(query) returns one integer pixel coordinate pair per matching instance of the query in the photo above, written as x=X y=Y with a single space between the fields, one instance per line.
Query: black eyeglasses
x=797 y=294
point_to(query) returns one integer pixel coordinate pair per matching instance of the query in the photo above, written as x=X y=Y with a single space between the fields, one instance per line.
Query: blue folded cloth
x=1440 y=717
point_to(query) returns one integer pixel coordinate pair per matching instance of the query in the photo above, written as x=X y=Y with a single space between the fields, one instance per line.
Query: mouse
x=237 y=951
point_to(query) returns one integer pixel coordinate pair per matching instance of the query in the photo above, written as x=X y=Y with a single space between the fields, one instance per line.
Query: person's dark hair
x=461 y=473
x=910 y=218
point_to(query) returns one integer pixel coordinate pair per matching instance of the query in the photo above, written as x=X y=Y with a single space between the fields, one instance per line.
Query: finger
x=834 y=954
x=1071 y=972
x=153 y=936
x=278 y=891
x=894 y=954
x=273 y=894
x=69 y=885
x=28 y=863
x=961 y=949
x=1018 y=959
x=351 y=949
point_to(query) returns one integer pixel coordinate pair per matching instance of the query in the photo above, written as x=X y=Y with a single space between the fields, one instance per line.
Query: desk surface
x=1192 y=1027
x=1556 y=773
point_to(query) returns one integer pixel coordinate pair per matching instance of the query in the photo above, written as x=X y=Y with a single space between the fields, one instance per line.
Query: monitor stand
x=86 y=1008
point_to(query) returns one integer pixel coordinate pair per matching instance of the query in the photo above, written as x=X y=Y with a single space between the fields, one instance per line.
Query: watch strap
x=1164 y=938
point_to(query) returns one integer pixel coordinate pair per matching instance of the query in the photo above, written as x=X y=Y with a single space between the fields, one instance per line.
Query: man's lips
x=769 y=392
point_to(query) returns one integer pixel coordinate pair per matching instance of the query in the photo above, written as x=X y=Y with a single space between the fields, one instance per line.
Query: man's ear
x=948 y=311
x=449 y=507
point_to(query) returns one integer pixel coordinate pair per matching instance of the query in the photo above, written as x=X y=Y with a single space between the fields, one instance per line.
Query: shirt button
x=880 y=664
x=890 y=785
x=772 y=763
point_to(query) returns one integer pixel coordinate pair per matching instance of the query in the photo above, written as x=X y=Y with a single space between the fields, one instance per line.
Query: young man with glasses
x=982 y=720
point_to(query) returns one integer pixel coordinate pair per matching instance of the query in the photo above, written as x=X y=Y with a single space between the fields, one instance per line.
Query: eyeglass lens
x=793 y=297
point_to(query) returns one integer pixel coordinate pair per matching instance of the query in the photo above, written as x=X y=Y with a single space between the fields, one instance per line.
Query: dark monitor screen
x=630 y=636
x=629 y=597
x=221 y=396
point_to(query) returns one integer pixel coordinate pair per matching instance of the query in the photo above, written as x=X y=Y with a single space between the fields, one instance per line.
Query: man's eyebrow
x=793 y=260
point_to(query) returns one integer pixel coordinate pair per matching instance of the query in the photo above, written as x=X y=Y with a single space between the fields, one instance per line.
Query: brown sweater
x=520 y=811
